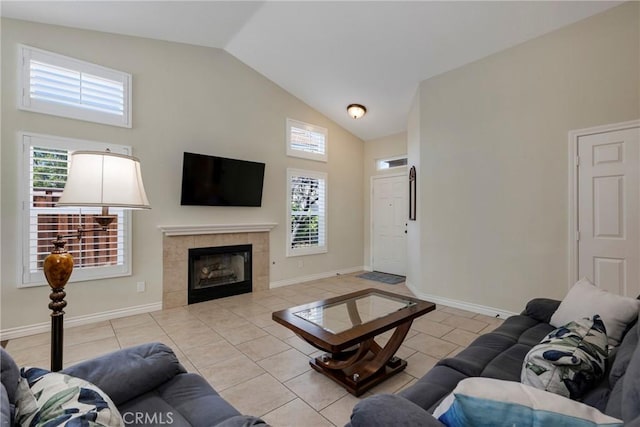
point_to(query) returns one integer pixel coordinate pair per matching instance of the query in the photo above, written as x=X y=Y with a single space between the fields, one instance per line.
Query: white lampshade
x=103 y=179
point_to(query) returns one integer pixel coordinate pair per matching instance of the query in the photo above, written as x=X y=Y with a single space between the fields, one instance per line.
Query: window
x=307 y=212
x=391 y=163
x=306 y=141
x=67 y=87
x=44 y=171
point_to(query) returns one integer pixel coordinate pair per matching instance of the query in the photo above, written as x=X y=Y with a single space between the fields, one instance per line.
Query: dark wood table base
x=360 y=368
x=352 y=357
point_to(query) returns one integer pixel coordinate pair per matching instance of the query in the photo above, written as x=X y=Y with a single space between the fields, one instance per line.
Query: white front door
x=608 y=215
x=389 y=224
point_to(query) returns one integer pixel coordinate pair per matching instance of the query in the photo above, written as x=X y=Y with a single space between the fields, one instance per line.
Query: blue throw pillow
x=487 y=402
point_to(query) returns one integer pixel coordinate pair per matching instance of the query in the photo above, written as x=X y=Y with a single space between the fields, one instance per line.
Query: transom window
x=98 y=254
x=307 y=212
x=391 y=163
x=63 y=86
x=306 y=140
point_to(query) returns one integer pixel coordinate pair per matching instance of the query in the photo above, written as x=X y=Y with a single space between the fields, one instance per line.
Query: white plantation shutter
x=307 y=212
x=306 y=140
x=97 y=254
x=64 y=86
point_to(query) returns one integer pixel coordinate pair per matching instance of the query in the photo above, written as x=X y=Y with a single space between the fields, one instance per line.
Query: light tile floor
x=257 y=365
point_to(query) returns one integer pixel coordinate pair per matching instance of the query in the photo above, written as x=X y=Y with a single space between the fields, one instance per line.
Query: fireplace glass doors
x=219 y=272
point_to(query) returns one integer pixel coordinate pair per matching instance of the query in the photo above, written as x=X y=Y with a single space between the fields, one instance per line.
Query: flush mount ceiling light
x=356 y=110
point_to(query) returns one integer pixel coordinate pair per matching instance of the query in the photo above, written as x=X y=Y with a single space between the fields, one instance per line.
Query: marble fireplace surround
x=178 y=239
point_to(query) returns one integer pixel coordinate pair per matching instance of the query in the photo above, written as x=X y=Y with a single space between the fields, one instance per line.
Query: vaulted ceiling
x=330 y=53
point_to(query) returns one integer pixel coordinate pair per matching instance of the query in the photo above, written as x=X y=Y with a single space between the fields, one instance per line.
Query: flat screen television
x=218 y=181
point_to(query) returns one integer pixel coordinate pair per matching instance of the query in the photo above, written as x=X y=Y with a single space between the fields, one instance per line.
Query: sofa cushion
x=631 y=390
x=6 y=408
x=433 y=386
x=384 y=410
x=10 y=375
x=130 y=372
x=623 y=356
x=508 y=364
x=532 y=336
x=187 y=399
x=491 y=402
x=242 y=421
x=497 y=354
x=52 y=398
x=570 y=360
x=598 y=397
x=515 y=326
x=586 y=300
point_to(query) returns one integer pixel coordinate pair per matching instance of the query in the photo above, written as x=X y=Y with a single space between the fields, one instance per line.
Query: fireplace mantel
x=177 y=240
x=185 y=230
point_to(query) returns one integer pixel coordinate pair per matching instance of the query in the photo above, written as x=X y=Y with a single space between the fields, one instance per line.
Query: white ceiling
x=330 y=54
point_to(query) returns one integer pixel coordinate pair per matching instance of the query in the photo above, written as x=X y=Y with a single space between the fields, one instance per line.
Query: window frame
x=29 y=278
x=26 y=103
x=292 y=252
x=389 y=159
x=292 y=152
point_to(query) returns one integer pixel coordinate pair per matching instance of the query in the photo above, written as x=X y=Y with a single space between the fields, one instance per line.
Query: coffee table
x=345 y=328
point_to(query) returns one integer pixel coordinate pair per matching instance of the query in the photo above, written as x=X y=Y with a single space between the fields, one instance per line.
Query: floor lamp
x=95 y=179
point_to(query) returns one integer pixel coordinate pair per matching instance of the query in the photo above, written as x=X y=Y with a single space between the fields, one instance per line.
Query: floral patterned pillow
x=570 y=360
x=53 y=399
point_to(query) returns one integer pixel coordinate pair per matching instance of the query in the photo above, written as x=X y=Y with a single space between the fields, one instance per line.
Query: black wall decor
x=412 y=193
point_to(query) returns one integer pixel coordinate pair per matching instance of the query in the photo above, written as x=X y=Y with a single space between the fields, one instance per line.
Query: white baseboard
x=316 y=276
x=22 y=331
x=463 y=305
x=367 y=268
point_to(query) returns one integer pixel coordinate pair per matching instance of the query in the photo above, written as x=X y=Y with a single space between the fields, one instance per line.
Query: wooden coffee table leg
x=368 y=366
x=337 y=362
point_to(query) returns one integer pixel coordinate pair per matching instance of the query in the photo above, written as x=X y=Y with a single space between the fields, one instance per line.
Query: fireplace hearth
x=218 y=272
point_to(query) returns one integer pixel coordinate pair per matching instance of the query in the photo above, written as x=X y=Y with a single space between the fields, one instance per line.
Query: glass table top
x=340 y=316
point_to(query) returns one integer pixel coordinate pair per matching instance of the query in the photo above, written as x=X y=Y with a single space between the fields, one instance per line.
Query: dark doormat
x=389 y=279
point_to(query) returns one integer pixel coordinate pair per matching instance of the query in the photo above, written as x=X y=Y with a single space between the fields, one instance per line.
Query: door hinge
x=577 y=161
x=577 y=236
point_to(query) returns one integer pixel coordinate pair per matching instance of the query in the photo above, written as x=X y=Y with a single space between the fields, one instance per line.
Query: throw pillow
x=568 y=361
x=487 y=402
x=585 y=299
x=51 y=398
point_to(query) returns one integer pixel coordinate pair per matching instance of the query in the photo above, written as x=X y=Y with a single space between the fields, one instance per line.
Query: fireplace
x=218 y=272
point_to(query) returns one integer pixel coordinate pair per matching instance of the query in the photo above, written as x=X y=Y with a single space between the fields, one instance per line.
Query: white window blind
x=307 y=212
x=97 y=254
x=306 y=140
x=67 y=87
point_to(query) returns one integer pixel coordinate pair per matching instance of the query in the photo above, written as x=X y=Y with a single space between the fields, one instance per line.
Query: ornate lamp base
x=58 y=267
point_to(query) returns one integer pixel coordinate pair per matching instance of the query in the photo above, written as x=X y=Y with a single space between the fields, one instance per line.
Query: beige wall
x=376 y=149
x=494 y=158
x=414 y=234
x=185 y=98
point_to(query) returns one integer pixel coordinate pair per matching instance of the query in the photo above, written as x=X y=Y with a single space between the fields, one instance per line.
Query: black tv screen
x=218 y=181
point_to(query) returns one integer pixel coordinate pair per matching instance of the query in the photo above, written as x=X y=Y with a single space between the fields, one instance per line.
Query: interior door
x=389 y=228
x=608 y=216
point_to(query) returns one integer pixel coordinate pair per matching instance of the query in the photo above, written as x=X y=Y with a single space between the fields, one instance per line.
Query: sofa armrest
x=130 y=372
x=384 y=410
x=541 y=309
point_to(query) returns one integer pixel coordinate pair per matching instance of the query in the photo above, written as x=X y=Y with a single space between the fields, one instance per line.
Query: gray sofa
x=147 y=379
x=500 y=354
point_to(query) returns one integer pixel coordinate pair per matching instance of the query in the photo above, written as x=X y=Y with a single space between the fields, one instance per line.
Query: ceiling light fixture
x=356 y=110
